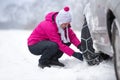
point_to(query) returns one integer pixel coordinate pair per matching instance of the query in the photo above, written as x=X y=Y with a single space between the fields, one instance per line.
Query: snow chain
x=87 y=49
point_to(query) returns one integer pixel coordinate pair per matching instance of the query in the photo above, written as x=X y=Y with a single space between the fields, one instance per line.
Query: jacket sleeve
x=73 y=38
x=54 y=36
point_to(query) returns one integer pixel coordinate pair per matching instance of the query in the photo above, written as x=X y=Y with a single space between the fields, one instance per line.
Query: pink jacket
x=47 y=30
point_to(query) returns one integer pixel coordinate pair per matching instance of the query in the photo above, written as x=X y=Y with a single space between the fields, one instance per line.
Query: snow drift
x=17 y=63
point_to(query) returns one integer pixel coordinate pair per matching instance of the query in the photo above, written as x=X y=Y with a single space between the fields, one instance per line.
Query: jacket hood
x=50 y=16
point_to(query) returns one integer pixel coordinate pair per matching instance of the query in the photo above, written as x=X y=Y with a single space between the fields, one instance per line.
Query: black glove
x=79 y=47
x=78 y=55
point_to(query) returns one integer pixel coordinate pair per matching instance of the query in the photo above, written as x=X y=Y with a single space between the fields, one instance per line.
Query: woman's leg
x=46 y=49
x=54 y=59
x=59 y=53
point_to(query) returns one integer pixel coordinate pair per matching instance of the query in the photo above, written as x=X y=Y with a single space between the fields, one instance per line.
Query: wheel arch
x=110 y=17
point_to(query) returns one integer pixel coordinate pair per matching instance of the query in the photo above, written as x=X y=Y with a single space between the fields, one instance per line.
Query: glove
x=78 y=55
x=79 y=47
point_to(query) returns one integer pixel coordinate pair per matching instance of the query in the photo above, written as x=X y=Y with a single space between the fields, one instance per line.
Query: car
x=103 y=18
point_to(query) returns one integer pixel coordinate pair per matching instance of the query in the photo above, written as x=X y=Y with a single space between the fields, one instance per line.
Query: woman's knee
x=53 y=45
x=34 y=50
x=37 y=49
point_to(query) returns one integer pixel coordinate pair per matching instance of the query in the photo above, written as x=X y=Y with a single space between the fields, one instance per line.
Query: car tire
x=116 y=47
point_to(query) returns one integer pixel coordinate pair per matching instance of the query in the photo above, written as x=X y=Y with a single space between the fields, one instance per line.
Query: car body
x=103 y=18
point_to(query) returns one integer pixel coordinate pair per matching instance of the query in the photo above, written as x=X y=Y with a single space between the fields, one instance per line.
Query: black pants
x=48 y=49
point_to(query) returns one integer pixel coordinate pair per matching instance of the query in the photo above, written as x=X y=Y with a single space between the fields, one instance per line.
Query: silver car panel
x=96 y=14
x=117 y=14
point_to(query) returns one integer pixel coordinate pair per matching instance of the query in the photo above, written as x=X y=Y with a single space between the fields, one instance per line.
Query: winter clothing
x=45 y=48
x=78 y=56
x=57 y=63
x=50 y=41
x=48 y=30
x=43 y=65
x=79 y=47
x=63 y=17
x=51 y=62
x=49 y=53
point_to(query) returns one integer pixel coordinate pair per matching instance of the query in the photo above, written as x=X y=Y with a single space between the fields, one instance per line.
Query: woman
x=52 y=37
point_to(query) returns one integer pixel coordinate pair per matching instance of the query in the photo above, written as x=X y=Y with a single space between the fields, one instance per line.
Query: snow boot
x=43 y=65
x=56 y=63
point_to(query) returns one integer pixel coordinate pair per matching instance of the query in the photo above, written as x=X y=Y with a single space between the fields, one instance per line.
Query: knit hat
x=64 y=16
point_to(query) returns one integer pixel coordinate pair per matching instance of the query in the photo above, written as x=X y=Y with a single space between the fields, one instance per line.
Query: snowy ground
x=16 y=62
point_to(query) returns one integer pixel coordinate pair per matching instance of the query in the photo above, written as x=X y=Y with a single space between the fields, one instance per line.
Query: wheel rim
x=116 y=41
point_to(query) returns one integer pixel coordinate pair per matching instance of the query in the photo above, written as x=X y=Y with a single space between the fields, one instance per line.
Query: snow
x=17 y=63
